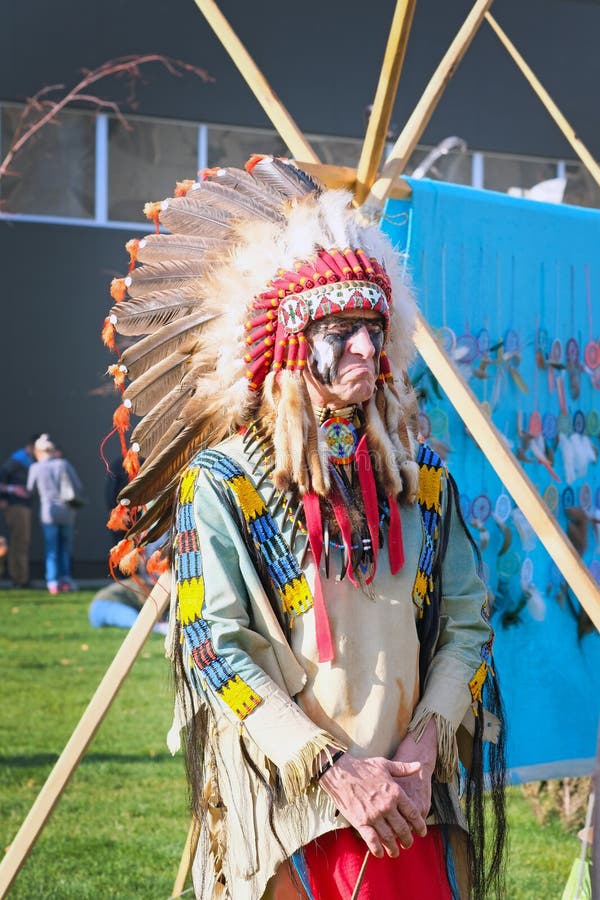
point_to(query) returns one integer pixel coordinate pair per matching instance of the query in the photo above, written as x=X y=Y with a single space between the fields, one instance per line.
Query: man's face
x=343 y=361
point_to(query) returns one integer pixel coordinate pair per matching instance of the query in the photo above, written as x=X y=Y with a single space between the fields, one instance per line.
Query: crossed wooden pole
x=372 y=190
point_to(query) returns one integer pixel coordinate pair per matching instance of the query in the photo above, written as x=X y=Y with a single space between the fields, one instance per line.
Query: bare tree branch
x=41 y=110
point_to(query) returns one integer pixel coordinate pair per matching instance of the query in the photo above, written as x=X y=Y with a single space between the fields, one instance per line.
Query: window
x=54 y=172
x=144 y=162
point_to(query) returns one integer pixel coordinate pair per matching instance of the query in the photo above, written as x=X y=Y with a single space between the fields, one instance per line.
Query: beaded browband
x=329 y=283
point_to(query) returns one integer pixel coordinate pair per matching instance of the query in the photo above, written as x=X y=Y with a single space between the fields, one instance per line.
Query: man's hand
x=418 y=786
x=369 y=795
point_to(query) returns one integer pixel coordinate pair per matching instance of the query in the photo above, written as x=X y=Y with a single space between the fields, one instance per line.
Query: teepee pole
x=187 y=858
x=385 y=96
x=258 y=84
x=85 y=730
x=414 y=128
x=569 y=133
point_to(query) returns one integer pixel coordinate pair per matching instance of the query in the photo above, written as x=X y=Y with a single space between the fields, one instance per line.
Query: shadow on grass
x=45 y=759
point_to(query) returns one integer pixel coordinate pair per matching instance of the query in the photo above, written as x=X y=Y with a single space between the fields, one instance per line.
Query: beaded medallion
x=341 y=438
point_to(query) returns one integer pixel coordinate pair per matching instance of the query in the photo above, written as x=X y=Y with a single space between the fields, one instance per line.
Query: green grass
x=119 y=829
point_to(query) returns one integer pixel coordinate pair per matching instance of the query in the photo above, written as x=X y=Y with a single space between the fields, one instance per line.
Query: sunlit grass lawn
x=119 y=829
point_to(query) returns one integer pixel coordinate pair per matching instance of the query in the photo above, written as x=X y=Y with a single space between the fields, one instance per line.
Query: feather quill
x=190 y=217
x=284 y=178
x=186 y=247
x=157 y=422
x=158 y=471
x=133 y=317
x=239 y=180
x=150 y=350
x=147 y=390
x=235 y=202
x=180 y=275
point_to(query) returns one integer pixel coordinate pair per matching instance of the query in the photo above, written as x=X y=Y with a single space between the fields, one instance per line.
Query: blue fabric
x=58 y=543
x=22 y=457
x=110 y=613
x=523 y=273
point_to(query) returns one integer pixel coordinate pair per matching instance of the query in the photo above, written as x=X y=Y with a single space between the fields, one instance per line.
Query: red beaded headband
x=332 y=281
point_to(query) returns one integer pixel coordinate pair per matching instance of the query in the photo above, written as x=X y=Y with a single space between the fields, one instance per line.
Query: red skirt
x=335 y=859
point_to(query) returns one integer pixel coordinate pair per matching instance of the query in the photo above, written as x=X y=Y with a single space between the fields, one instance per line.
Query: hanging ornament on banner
x=508 y=564
x=592 y=423
x=524 y=530
x=447 y=339
x=438 y=422
x=573 y=368
x=554 y=362
x=541 y=348
x=481 y=508
x=585 y=497
x=465 y=506
x=549 y=426
x=467 y=347
x=550 y=497
x=526 y=573
x=512 y=343
x=591 y=355
x=579 y=422
x=502 y=507
x=535 y=424
x=568 y=498
x=483 y=341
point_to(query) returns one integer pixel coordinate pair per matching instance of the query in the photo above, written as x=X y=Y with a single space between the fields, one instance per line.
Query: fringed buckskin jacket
x=272 y=706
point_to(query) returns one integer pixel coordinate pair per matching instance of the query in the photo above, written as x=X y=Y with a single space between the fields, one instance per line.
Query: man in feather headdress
x=329 y=633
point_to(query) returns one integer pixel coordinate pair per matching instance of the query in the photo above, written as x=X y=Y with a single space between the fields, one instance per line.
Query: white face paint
x=322 y=353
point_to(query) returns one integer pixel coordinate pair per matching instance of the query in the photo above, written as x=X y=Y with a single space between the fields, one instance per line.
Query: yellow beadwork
x=250 y=501
x=477 y=681
x=430 y=487
x=239 y=697
x=188 y=482
x=191 y=600
x=296 y=596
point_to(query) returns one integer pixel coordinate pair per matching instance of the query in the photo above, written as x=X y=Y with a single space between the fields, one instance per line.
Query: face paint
x=328 y=338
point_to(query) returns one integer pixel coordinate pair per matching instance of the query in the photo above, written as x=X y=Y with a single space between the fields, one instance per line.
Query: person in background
x=58 y=486
x=15 y=501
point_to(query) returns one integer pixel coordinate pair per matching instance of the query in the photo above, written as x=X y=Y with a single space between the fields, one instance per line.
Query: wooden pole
x=272 y=105
x=510 y=472
x=414 y=128
x=187 y=858
x=387 y=88
x=578 y=146
x=85 y=730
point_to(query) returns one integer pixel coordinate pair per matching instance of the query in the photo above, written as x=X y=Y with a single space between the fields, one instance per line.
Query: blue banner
x=512 y=288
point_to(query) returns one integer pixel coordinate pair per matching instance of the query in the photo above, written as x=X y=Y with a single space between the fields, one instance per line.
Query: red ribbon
x=395 y=543
x=314 y=527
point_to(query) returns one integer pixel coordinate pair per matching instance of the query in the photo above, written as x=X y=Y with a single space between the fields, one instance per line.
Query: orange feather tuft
x=118 y=289
x=152 y=211
x=182 y=187
x=157 y=564
x=119 y=519
x=132 y=247
x=119 y=551
x=121 y=417
x=118 y=374
x=129 y=563
x=131 y=463
x=108 y=334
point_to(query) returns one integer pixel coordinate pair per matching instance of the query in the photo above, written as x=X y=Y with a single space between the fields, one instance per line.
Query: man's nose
x=360 y=343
